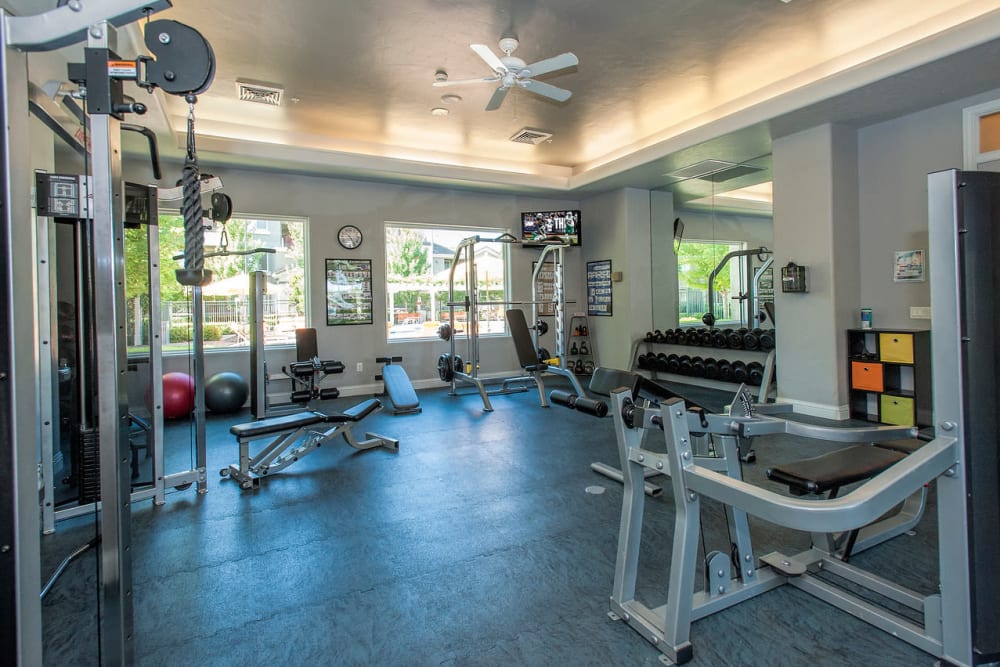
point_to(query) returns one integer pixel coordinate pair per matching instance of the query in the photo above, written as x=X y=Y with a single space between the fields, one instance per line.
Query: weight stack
x=88 y=453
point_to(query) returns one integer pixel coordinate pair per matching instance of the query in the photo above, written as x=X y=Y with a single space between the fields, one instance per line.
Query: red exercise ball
x=178 y=395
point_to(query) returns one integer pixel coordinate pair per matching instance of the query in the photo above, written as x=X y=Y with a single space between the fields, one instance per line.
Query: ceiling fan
x=511 y=71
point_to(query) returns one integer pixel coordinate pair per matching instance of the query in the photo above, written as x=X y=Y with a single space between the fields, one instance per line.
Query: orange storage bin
x=867 y=376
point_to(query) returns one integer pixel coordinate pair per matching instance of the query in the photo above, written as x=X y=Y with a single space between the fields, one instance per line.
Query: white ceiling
x=660 y=83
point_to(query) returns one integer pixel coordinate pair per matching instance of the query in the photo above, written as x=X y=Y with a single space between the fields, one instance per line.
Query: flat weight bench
x=827 y=473
x=295 y=436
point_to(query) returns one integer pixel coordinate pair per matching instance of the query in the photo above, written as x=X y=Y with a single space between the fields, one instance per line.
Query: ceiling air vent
x=261 y=93
x=529 y=136
x=716 y=171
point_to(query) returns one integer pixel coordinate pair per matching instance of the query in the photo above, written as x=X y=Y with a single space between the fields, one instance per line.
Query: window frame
x=306 y=282
x=485 y=233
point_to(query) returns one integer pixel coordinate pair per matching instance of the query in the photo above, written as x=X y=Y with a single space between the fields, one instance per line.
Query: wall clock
x=350 y=237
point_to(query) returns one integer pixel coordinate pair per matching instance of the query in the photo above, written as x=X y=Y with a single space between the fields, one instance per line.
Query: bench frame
x=294 y=443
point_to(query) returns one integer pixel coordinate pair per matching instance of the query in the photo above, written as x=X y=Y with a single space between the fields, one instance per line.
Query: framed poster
x=599 y=288
x=546 y=289
x=348 y=291
x=908 y=266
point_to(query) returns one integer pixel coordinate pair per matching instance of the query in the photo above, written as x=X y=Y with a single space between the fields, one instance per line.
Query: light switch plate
x=920 y=312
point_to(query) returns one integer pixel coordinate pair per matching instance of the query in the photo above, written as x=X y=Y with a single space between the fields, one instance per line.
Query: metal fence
x=227 y=321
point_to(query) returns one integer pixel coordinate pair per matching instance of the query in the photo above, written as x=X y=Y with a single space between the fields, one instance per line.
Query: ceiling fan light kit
x=510 y=71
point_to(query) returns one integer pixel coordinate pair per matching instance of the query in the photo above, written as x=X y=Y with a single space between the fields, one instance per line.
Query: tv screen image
x=541 y=227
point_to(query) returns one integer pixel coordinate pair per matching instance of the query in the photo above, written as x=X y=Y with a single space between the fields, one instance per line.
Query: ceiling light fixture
x=451 y=98
x=439 y=111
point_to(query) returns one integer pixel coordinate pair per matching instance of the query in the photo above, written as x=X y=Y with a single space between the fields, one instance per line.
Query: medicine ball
x=226 y=392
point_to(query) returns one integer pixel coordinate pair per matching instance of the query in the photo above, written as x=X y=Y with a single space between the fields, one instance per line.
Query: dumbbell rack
x=765 y=358
x=581 y=357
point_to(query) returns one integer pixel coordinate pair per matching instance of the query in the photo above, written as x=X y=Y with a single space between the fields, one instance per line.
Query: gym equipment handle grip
x=590 y=406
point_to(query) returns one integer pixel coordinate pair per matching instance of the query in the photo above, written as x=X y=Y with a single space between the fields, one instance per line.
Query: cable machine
x=184 y=65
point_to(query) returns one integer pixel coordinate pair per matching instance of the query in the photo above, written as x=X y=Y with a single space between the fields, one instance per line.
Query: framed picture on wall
x=348 y=291
x=599 y=288
x=908 y=266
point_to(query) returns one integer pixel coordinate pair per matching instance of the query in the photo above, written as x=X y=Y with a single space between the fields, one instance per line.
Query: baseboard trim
x=823 y=410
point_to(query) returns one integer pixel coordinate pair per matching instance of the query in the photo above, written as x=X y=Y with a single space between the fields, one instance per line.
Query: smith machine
x=182 y=63
x=452 y=369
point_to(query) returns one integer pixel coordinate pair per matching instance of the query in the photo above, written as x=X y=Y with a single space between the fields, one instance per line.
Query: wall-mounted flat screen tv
x=541 y=227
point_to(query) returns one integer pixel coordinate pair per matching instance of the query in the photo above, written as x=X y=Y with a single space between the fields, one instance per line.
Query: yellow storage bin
x=897 y=410
x=896 y=347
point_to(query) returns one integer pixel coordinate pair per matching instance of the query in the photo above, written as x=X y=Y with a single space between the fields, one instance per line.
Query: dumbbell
x=767 y=340
x=684 y=367
x=719 y=338
x=661 y=362
x=705 y=337
x=682 y=337
x=673 y=363
x=658 y=336
x=697 y=367
x=740 y=372
x=725 y=370
x=642 y=362
x=751 y=339
x=755 y=373
x=650 y=337
x=670 y=336
x=711 y=369
x=735 y=337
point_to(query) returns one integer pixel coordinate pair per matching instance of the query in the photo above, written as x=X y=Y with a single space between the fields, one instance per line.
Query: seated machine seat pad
x=276 y=424
x=355 y=413
x=906 y=445
x=834 y=469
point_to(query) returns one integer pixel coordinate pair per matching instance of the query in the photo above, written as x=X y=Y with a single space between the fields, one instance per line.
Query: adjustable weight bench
x=296 y=435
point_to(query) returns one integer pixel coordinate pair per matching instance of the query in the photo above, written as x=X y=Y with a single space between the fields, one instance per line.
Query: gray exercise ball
x=226 y=392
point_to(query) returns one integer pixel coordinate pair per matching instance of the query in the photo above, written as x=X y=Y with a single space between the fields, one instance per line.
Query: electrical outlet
x=361 y=367
x=920 y=312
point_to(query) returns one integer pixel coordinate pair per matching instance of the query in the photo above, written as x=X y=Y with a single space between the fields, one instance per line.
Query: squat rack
x=469 y=374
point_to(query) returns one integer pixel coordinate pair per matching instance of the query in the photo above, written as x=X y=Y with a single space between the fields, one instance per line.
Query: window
x=418 y=261
x=226 y=299
x=695 y=262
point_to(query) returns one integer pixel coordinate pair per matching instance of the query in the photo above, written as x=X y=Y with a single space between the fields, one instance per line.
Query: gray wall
x=664 y=261
x=815 y=224
x=894 y=159
x=331 y=203
x=619 y=230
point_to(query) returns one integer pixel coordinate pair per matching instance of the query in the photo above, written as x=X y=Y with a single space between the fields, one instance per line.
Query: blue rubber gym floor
x=476 y=544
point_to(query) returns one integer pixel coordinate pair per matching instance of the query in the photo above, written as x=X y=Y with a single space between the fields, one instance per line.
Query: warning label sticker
x=122 y=69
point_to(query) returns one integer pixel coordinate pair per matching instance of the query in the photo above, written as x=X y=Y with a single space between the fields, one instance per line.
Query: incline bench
x=296 y=435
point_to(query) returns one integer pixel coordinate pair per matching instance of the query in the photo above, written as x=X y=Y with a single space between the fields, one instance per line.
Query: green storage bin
x=897 y=410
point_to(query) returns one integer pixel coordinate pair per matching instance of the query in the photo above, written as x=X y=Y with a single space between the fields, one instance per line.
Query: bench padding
x=834 y=469
x=355 y=413
x=276 y=424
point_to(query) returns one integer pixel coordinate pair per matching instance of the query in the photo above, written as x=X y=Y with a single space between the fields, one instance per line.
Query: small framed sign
x=908 y=266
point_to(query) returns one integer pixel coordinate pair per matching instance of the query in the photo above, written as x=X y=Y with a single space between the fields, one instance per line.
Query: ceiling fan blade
x=498 y=96
x=545 y=90
x=462 y=82
x=555 y=63
x=491 y=58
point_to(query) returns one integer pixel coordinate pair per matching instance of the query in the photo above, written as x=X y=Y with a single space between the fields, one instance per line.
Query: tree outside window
x=226 y=299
